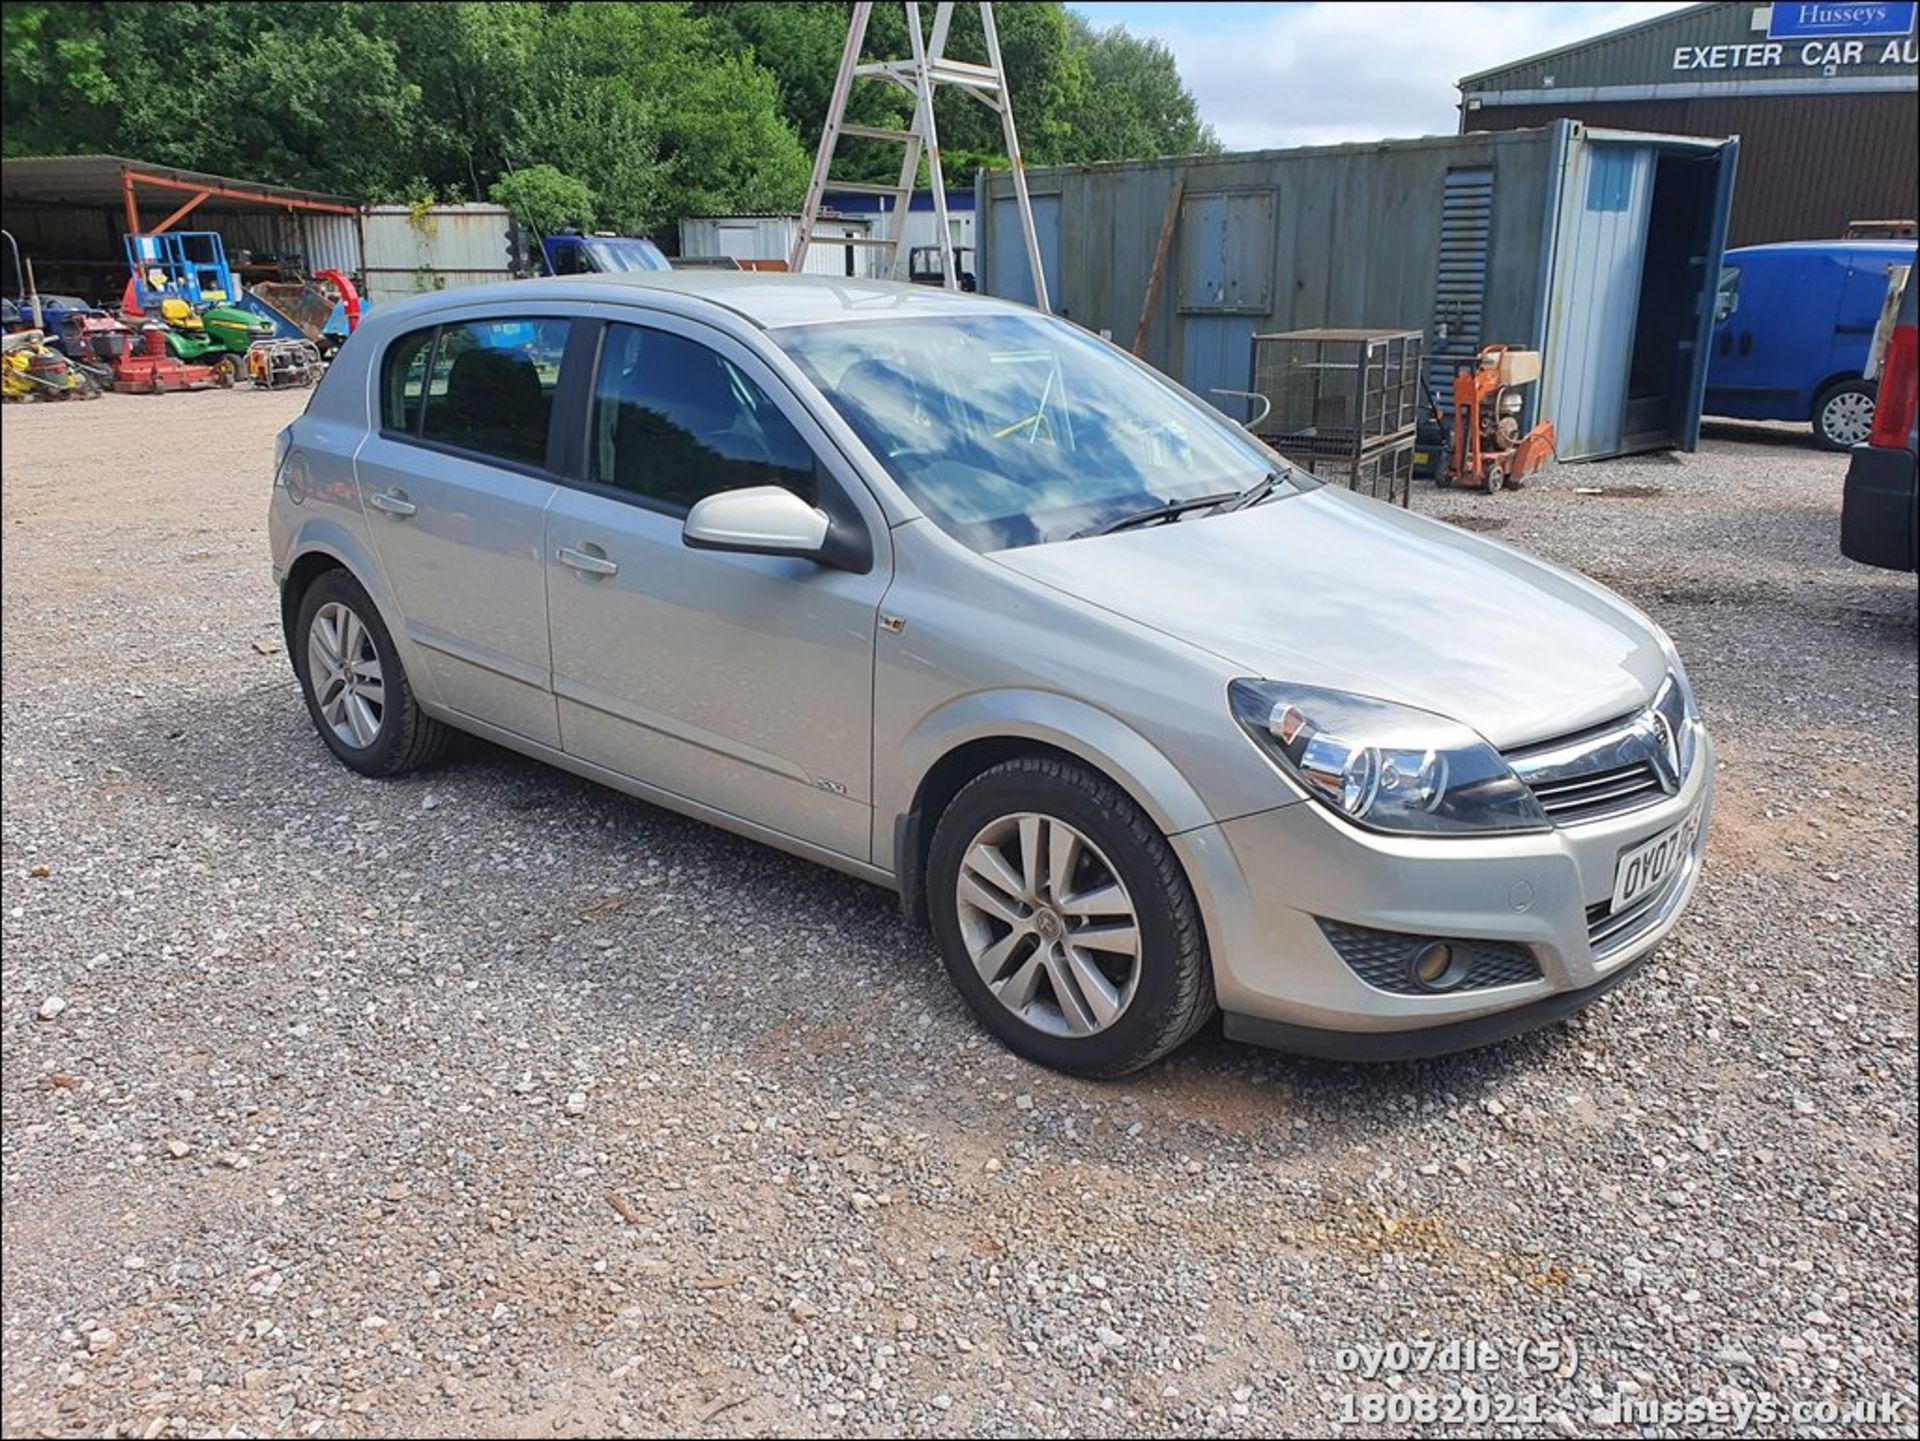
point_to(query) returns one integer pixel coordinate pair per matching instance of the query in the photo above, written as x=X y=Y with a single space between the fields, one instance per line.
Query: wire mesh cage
x=1384 y=472
x=1337 y=392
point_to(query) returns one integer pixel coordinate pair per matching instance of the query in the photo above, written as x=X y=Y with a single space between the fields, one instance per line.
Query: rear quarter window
x=403 y=381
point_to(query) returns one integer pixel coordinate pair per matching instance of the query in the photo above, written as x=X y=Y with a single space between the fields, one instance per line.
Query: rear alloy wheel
x=355 y=686
x=1843 y=416
x=1066 y=920
x=348 y=685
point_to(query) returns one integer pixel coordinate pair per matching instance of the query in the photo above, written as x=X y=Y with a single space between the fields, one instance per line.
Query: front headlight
x=1679 y=721
x=1384 y=765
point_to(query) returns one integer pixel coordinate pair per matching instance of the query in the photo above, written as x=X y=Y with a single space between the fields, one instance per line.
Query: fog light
x=1436 y=966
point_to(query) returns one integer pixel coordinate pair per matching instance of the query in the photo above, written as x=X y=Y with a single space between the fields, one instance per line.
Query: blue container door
x=1010 y=275
x=1604 y=207
x=1218 y=355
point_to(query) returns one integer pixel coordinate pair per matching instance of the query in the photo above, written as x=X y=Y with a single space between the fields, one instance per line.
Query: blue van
x=1792 y=328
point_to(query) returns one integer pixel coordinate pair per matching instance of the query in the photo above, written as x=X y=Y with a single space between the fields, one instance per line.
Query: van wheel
x=1843 y=415
x=1065 y=920
x=356 y=689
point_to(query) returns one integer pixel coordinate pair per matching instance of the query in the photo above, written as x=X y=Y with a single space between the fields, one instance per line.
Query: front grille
x=1380 y=958
x=1598 y=793
x=1609 y=932
x=1632 y=762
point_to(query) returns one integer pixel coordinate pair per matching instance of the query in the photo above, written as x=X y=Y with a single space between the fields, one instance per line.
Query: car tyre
x=1843 y=415
x=356 y=688
x=1023 y=927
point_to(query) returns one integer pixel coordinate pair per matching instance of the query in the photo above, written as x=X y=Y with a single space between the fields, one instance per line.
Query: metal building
x=69 y=212
x=1601 y=249
x=1825 y=98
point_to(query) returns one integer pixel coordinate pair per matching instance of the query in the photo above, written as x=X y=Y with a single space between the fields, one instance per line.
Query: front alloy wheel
x=1048 y=924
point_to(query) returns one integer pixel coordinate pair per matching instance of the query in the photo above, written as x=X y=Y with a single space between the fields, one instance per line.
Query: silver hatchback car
x=959 y=598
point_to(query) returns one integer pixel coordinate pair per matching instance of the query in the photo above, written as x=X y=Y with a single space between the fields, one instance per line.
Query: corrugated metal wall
x=1808 y=163
x=442 y=247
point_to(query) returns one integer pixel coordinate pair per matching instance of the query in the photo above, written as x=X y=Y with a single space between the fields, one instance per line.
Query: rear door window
x=491 y=385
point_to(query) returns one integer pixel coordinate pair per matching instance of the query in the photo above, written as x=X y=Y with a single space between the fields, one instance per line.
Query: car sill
x=673 y=801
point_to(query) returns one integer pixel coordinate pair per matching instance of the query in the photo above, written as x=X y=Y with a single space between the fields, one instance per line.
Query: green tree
x=1131 y=104
x=545 y=198
x=660 y=110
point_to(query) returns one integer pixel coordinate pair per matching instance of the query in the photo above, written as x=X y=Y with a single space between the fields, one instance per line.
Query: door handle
x=393 y=502
x=586 y=562
x=1746 y=342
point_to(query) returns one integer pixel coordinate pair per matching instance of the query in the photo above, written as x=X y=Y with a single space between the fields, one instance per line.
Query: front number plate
x=1649 y=865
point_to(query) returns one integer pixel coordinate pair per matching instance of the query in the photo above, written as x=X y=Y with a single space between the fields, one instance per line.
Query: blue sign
x=1838 y=19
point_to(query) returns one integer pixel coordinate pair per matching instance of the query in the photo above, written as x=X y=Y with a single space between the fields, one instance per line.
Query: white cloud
x=1325 y=73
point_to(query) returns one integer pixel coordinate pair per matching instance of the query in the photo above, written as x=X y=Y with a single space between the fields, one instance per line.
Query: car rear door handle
x=393 y=502
x=1746 y=342
x=586 y=562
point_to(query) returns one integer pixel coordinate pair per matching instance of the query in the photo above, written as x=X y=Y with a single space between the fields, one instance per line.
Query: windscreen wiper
x=1255 y=493
x=1156 y=514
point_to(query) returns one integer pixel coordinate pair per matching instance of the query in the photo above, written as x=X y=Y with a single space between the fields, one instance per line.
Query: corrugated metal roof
x=96 y=180
x=1607 y=38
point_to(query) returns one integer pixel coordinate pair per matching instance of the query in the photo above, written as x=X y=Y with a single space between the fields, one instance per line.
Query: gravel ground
x=489 y=1101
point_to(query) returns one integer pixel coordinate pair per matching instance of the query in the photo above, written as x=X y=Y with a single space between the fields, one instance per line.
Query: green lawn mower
x=219 y=336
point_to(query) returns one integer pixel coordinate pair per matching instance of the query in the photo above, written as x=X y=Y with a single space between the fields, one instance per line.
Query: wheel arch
x=318 y=552
x=979 y=732
x=1822 y=388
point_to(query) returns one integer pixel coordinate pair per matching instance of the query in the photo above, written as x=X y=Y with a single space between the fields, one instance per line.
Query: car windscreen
x=616 y=255
x=1012 y=430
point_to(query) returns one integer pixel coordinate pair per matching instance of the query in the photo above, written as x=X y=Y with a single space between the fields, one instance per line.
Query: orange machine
x=1488 y=449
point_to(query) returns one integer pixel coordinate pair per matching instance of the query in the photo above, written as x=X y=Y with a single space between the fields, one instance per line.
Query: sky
x=1322 y=73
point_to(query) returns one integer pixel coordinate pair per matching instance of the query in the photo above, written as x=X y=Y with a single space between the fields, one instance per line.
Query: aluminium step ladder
x=919 y=76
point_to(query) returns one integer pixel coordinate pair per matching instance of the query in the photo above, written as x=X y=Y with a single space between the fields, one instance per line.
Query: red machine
x=349 y=297
x=147 y=369
x=1488 y=449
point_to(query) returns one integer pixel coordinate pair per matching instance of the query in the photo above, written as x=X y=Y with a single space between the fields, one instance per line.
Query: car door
x=1771 y=352
x=456 y=484
x=1740 y=317
x=743 y=682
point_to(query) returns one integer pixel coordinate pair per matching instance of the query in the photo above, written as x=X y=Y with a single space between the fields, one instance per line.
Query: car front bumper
x=1266 y=882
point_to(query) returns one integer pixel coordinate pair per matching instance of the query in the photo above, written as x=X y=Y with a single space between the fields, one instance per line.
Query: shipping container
x=1600 y=249
x=771 y=238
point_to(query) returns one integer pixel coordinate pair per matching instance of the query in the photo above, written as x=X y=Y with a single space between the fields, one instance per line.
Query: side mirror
x=760 y=520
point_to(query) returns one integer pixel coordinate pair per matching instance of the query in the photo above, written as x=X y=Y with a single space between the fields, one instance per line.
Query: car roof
x=1868 y=249
x=768 y=299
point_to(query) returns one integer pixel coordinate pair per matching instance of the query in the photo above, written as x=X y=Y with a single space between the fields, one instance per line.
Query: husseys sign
x=1816 y=34
x=1834 y=20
